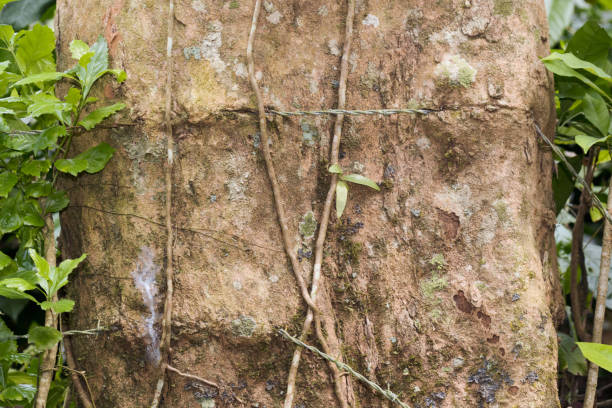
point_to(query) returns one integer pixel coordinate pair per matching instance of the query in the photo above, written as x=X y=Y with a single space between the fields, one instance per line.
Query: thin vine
x=167 y=317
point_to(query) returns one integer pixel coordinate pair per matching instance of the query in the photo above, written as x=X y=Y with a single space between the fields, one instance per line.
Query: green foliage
x=342 y=186
x=600 y=354
x=570 y=356
x=36 y=130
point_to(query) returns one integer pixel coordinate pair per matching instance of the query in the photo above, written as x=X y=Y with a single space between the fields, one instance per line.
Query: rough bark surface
x=443 y=286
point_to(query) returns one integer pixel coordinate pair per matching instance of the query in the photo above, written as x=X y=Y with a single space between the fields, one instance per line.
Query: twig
x=316 y=274
x=193 y=377
x=49 y=356
x=576 y=253
x=569 y=167
x=269 y=165
x=600 y=306
x=85 y=398
x=167 y=317
x=386 y=393
x=89 y=332
x=67 y=397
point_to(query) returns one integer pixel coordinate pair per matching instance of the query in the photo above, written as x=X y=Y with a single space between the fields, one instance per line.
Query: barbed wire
x=385 y=112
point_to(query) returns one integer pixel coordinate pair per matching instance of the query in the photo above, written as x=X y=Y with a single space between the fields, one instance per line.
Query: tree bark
x=443 y=287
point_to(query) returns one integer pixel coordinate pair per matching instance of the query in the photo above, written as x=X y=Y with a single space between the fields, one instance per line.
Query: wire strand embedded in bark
x=280 y=212
x=316 y=272
x=600 y=306
x=576 y=253
x=47 y=363
x=167 y=317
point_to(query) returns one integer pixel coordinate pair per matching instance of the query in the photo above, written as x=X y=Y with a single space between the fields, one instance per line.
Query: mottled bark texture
x=443 y=286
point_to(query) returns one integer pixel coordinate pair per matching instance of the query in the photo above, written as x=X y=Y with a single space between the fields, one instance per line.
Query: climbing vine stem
x=316 y=273
x=167 y=316
x=308 y=297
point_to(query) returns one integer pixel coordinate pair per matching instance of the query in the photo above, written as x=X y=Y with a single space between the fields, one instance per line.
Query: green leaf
x=35 y=50
x=560 y=15
x=38 y=189
x=574 y=62
x=6 y=35
x=97 y=116
x=73 y=97
x=119 y=74
x=7 y=182
x=42 y=77
x=35 y=167
x=10 y=216
x=586 y=142
x=85 y=58
x=603 y=156
x=78 y=48
x=599 y=354
x=45 y=104
x=72 y=166
x=60 y=278
x=596 y=111
x=359 y=179
x=61 y=306
x=43 y=270
x=23 y=13
x=57 y=201
x=590 y=43
x=341 y=197
x=15 y=294
x=96 y=66
x=5 y=2
x=336 y=169
x=17 y=283
x=30 y=212
x=595 y=214
x=44 y=337
x=558 y=67
x=92 y=160
x=5 y=260
x=34 y=142
x=19 y=392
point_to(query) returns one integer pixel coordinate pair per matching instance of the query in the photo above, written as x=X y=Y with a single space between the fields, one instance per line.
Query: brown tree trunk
x=443 y=287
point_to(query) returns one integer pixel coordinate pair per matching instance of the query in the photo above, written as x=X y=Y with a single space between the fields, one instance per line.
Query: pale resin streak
x=145 y=276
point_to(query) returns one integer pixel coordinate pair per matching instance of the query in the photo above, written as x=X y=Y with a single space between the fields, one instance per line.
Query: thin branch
x=576 y=253
x=270 y=166
x=316 y=274
x=559 y=153
x=193 y=377
x=167 y=317
x=386 y=393
x=600 y=306
x=85 y=398
x=47 y=363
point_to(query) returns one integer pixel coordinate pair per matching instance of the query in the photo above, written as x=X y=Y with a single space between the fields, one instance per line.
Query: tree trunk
x=442 y=287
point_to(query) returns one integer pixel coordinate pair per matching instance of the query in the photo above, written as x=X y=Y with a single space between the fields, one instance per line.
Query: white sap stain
x=210 y=47
x=145 y=281
x=275 y=17
x=371 y=20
